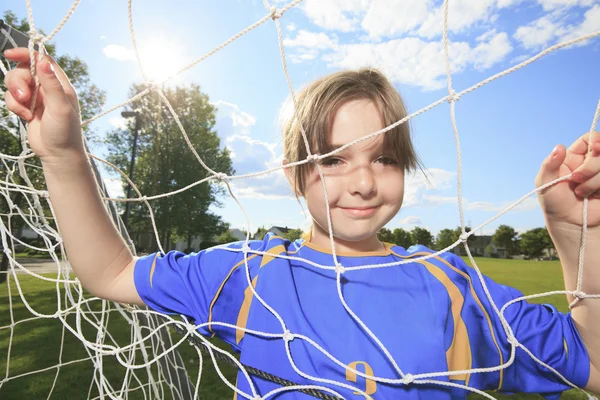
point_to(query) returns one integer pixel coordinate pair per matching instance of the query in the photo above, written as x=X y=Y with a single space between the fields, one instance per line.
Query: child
x=432 y=316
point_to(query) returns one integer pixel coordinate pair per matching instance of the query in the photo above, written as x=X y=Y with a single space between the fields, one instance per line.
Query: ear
x=290 y=177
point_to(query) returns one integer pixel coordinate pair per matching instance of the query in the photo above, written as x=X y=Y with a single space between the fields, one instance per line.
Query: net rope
x=158 y=350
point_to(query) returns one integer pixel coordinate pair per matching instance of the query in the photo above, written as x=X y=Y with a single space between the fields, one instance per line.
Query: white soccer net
x=149 y=362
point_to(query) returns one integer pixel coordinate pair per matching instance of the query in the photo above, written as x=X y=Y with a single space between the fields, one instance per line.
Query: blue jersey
x=432 y=316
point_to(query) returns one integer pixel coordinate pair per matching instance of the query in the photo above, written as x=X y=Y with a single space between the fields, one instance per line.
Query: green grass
x=36 y=344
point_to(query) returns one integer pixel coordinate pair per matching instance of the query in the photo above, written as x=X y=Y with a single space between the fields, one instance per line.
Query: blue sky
x=506 y=128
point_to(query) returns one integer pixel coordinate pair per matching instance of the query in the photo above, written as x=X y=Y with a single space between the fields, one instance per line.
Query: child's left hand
x=562 y=203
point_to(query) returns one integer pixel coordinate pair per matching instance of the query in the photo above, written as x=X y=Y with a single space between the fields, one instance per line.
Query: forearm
x=96 y=251
x=586 y=313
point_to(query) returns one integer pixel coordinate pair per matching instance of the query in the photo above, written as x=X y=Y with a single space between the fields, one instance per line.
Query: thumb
x=550 y=169
x=54 y=93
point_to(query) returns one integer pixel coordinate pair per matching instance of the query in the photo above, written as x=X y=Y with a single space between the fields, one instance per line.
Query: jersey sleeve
x=551 y=336
x=189 y=285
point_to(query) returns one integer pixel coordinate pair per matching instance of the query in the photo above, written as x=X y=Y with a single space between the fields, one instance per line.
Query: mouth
x=360 y=211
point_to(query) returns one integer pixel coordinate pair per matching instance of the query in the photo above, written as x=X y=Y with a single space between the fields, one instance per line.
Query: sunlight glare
x=161 y=57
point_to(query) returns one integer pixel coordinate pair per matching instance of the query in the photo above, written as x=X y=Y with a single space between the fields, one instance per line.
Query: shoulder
x=269 y=243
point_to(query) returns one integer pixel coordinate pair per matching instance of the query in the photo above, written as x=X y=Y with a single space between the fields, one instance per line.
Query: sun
x=161 y=58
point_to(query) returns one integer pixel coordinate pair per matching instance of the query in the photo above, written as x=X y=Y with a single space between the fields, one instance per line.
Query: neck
x=320 y=238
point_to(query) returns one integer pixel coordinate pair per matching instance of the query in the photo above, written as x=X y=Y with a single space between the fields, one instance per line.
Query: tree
x=226 y=237
x=385 y=235
x=293 y=234
x=421 y=236
x=506 y=237
x=535 y=241
x=91 y=100
x=165 y=163
x=458 y=232
x=260 y=233
x=402 y=238
x=445 y=238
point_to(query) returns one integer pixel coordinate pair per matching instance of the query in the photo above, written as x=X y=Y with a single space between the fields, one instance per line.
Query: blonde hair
x=316 y=107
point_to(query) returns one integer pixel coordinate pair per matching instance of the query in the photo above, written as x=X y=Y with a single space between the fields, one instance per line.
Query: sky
x=506 y=128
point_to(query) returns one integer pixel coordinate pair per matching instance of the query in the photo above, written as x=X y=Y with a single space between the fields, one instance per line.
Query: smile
x=360 y=212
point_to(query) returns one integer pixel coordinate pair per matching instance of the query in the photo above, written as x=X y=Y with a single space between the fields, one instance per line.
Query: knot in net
x=453 y=97
x=312 y=158
x=36 y=37
x=275 y=13
x=220 y=176
x=288 y=336
x=339 y=268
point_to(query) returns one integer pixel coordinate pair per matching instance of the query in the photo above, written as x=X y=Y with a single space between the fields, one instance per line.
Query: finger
x=581 y=145
x=19 y=82
x=589 y=187
x=589 y=167
x=16 y=107
x=19 y=54
x=56 y=99
x=550 y=168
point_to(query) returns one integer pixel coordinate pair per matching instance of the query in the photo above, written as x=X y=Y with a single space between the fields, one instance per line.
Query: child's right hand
x=54 y=129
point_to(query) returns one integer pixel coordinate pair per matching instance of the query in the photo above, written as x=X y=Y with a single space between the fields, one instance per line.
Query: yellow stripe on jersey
x=153 y=268
x=485 y=314
x=214 y=300
x=458 y=355
x=242 y=319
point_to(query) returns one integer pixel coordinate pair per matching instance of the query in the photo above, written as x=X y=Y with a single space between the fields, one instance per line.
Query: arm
x=98 y=254
x=586 y=312
x=562 y=204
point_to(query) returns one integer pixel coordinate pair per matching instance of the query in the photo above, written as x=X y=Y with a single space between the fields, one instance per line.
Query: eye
x=387 y=160
x=331 y=162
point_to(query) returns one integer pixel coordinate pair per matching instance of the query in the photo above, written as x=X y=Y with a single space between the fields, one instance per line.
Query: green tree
x=421 y=236
x=91 y=100
x=226 y=237
x=535 y=241
x=445 y=238
x=165 y=163
x=293 y=234
x=385 y=235
x=402 y=238
x=260 y=233
x=506 y=237
x=458 y=232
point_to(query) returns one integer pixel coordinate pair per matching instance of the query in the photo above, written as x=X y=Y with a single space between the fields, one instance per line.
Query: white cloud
x=251 y=156
x=291 y=27
x=417 y=187
x=549 y=5
x=407 y=15
x=553 y=28
x=410 y=220
x=508 y=3
x=118 y=52
x=311 y=40
x=342 y=15
x=538 y=33
x=118 y=122
x=462 y=14
x=528 y=204
x=239 y=121
x=414 y=61
x=590 y=23
x=114 y=186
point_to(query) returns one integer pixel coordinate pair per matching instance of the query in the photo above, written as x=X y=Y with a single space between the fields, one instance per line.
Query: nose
x=362 y=181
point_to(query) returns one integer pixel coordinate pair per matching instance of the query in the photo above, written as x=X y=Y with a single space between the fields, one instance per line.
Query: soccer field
x=36 y=344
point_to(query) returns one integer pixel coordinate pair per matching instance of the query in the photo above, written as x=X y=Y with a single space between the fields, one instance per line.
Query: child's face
x=365 y=184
